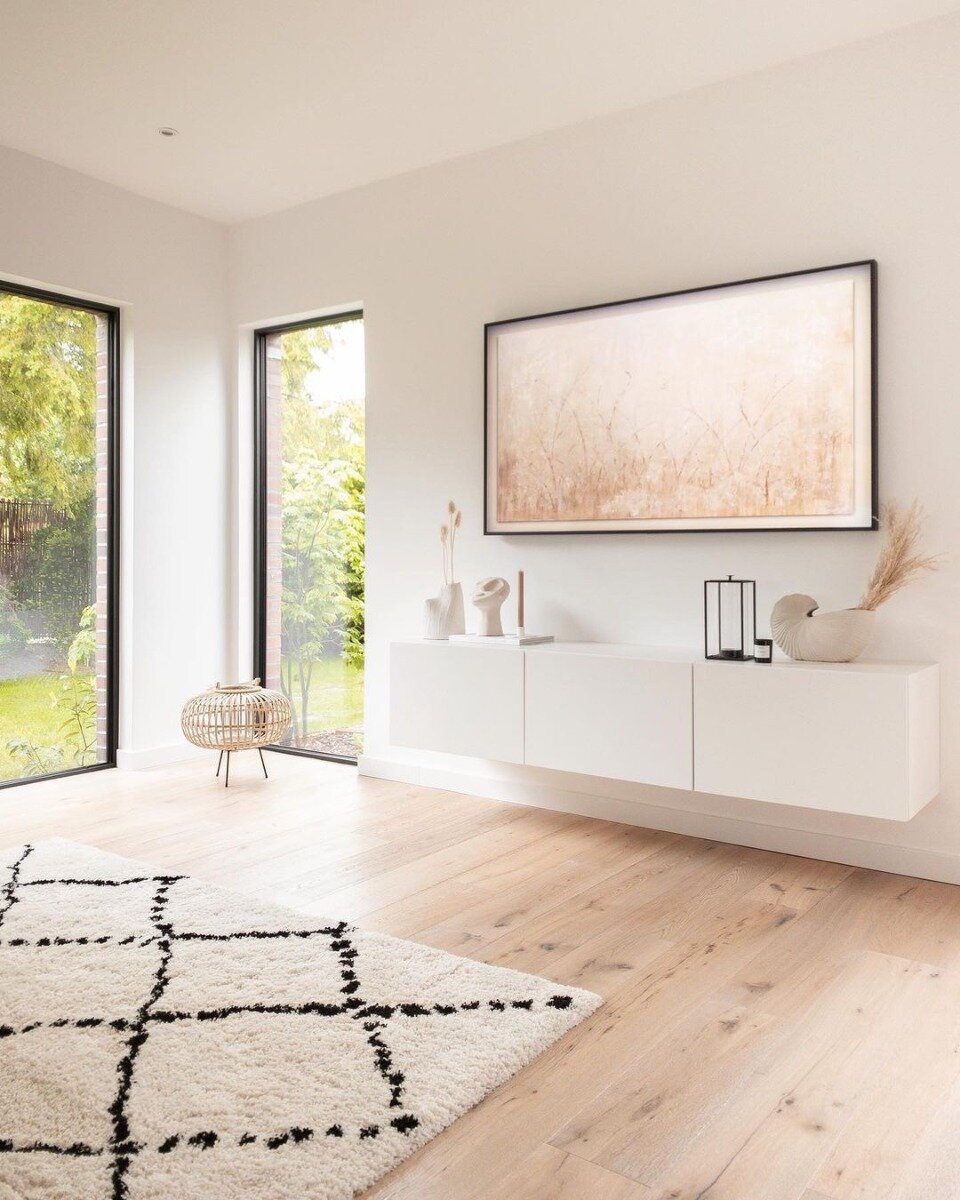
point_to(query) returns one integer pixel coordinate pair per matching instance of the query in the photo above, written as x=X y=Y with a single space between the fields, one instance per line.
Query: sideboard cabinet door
x=848 y=738
x=457 y=699
x=616 y=716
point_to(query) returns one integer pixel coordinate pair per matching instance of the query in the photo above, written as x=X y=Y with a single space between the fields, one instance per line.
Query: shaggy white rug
x=161 y=1039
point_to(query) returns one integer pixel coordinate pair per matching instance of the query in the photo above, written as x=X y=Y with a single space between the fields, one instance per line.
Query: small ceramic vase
x=443 y=614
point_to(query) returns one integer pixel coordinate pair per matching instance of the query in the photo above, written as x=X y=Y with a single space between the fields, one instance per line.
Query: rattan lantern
x=241 y=716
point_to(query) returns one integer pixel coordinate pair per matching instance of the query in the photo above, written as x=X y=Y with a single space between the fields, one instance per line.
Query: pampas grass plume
x=899 y=561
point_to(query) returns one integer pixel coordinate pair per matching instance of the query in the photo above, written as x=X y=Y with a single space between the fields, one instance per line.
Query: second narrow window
x=310 y=532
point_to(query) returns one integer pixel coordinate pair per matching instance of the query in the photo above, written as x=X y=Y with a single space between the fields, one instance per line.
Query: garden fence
x=19 y=520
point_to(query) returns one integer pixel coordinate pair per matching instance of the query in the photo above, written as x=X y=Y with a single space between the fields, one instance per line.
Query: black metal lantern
x=729 y=619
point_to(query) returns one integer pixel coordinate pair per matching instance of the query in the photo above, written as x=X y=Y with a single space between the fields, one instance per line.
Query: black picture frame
x=492 y=528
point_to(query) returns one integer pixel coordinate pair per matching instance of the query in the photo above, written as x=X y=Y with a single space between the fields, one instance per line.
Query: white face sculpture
x=488 y=597
x=491 y=592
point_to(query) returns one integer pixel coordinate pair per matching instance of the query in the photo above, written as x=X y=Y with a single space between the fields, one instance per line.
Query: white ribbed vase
x=808 y=636
x=443 y=614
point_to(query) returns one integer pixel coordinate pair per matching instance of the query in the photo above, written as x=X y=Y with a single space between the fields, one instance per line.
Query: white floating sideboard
x=861 y=738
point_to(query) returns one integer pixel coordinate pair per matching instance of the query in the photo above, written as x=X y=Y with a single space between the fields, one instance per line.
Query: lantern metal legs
x=226 y=780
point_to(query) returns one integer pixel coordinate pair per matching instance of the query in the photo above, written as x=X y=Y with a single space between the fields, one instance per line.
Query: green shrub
x=13 y=632
x=57 y=579
x=354 y=565
x=75 y=702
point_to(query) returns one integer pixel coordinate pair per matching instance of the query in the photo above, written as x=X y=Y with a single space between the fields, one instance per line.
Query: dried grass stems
x=900 y=560
x=448 y=538
x=589 y=453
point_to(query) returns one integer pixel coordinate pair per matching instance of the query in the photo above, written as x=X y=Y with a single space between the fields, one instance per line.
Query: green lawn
x=28 y=712
x=336 y=695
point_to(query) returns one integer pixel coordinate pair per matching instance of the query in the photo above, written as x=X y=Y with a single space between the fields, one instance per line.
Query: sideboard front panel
x=457 y=699
x=838 y=738
x=617 y=717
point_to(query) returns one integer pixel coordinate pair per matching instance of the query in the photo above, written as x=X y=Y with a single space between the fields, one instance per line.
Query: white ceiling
x=281 y=101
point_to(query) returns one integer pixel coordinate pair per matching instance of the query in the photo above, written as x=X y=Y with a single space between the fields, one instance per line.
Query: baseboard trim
x=157 y=756
x=855 y=852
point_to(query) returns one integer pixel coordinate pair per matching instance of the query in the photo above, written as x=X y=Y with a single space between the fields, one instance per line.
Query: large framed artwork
x=748 y=405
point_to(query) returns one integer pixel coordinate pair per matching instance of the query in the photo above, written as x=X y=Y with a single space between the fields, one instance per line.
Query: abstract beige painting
x=742 y=406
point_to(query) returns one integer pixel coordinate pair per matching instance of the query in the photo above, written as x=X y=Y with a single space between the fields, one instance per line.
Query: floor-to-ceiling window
x=310 y=528
x=58 y=526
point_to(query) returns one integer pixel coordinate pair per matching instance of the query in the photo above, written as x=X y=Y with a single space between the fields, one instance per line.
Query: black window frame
x=112 y=315
x=260 y=338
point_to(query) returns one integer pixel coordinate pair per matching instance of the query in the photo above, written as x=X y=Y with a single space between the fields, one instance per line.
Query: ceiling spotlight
x=167 y=131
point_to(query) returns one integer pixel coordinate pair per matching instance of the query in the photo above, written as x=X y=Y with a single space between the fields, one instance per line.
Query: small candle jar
x=763 y=650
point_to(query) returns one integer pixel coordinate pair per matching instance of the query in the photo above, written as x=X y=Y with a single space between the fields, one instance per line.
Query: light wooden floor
x=775 y=1028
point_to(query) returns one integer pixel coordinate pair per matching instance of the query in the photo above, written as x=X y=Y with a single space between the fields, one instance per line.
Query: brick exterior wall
x=273 y=561
x=102 y=530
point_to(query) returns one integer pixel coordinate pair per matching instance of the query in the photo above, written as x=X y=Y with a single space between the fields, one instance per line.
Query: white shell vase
x=443 y=614
x=808 y=636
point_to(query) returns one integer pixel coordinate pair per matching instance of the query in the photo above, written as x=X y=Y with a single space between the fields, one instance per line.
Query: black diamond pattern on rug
x=131 y=996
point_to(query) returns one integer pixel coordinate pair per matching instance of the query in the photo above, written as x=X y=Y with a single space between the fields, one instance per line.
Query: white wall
x=847 y=155
x=844 y=156
x=168 y=270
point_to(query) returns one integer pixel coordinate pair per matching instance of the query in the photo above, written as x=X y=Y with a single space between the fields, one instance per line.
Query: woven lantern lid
x=225 y=689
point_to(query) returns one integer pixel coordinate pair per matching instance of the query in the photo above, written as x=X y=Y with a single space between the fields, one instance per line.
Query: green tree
x=48 y=400
x=322 y=524
x=48 y=382
x=48 y=373
x=311 y=575
x=57 y=577
x=13 y=632
x=354 y=548
x=298 y=358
